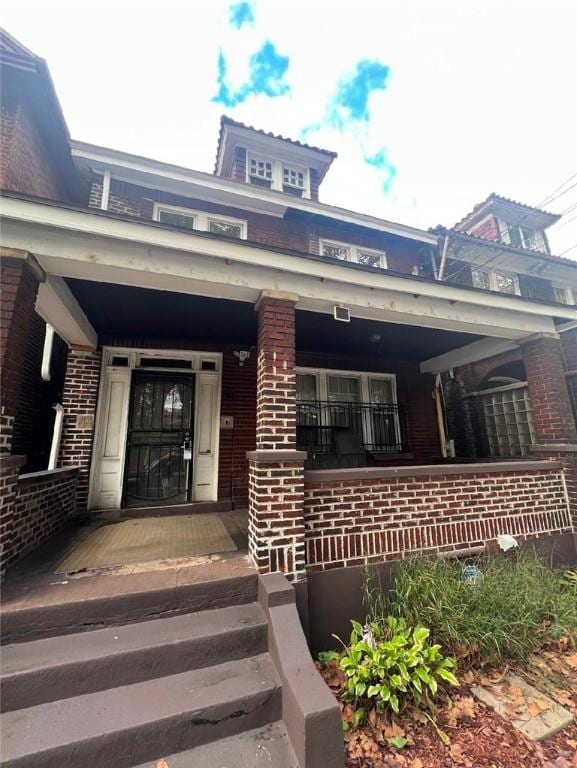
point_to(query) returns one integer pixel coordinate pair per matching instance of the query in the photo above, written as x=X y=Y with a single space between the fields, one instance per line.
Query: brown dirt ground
x=477 y=737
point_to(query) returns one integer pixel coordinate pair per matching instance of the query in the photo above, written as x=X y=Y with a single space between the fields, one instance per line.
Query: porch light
x=242 y=355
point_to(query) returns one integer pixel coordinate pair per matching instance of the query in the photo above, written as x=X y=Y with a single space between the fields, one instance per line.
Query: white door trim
x=205 y=366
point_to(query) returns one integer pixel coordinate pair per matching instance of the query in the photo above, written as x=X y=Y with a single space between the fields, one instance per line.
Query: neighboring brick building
x=227 y=339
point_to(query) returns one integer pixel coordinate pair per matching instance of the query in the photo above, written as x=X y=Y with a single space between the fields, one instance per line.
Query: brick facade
x=552 y=413
x=25 y=162
x=34 y=422
x=41 y=504
x=19 y=279
x=276 y=529
x=487 y=229
x=9 y=470
x=79 y=399
x=357 y=521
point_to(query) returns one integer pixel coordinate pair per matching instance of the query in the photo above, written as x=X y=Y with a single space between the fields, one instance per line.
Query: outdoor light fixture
x=243 y=355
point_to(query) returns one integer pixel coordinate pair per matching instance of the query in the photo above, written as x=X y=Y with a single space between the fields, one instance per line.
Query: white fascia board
x=121 y=164
x=57 y=306
x=470 y=353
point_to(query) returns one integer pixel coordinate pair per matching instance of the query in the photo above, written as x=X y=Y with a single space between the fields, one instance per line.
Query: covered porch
x=177 y=392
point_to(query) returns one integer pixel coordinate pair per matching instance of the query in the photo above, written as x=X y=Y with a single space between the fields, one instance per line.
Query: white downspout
x=105 y=190
x=443 y=258
x=56 y=434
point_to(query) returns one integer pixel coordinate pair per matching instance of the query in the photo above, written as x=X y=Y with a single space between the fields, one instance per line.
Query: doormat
x=149 y=538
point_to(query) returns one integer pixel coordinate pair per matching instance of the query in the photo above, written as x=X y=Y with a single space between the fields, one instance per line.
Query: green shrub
x=519 y=605
x=389 y=665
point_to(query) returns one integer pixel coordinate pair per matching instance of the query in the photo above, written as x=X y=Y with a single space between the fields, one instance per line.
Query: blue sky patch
x=267 y=77
x=352 y=97
x=241 y=13
x=380 y=161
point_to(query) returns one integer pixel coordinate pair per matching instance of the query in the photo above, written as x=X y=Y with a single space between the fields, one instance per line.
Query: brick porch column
x=555 y=430
x=276 y=481
x=79 y=399
x=20 y=276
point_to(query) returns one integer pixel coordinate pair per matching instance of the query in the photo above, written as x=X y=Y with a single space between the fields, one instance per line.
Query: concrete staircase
x=225 y=686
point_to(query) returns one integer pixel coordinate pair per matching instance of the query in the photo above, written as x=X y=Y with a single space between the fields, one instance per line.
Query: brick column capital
x=271 y=296
x=18 y=256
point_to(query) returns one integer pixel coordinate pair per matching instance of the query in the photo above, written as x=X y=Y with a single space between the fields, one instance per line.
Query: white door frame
x=109 y=450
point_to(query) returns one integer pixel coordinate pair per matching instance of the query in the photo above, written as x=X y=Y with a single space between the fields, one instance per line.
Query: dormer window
x=261 y=172
x=356 y=254
x=274 y=174
x=522 y=237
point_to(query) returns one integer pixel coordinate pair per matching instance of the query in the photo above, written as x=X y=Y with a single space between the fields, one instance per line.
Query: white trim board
x=109 y=455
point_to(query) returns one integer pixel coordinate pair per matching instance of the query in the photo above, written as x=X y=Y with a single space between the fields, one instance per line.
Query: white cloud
x=482 y=95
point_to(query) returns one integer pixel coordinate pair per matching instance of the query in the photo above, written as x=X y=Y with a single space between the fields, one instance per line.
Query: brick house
x=172 y=337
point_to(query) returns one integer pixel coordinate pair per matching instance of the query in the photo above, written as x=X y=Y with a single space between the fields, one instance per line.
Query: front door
x=159 y=442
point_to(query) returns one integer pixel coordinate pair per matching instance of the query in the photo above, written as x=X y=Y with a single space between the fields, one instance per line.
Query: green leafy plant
x=391 y=664
x=520 y=604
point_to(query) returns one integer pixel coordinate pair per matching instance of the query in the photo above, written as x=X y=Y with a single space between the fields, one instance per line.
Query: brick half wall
x=34 y=507
x=362 y=516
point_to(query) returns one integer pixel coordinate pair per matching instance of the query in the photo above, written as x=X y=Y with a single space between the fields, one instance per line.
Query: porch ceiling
x=119 y=312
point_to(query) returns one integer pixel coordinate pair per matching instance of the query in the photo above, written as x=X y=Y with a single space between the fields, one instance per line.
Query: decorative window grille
x=341 y=252
x=345 y=252
x=223 y=227
x=563 y=294
x=370 y=258
x=508 y=420
x=506 y=282
x=481 y=279
x=182 y=220
x=490 y=280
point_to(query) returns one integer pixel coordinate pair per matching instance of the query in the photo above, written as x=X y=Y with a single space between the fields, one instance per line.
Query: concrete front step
x=128 y=725
x=260 y=748
x=139 y=598
x=60 y=667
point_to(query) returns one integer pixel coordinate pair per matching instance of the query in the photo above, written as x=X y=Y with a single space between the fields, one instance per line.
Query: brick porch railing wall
x=387 y=514
x=34 y=506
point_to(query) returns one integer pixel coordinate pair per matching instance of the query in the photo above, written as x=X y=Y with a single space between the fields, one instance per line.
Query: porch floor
x=35 y=582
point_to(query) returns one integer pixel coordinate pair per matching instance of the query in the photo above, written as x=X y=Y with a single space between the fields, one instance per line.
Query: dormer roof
x=233 y=133
x=510 y=211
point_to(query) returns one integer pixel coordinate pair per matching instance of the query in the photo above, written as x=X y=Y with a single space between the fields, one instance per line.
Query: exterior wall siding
x=353 y=522
x=26 y=165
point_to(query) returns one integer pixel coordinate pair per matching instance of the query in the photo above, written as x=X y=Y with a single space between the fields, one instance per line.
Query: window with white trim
x=347 y=405
x=496 y=280
x=563 y=294
x=522 y=237
x=353 y=253
x=202 y=221
x=276 y=174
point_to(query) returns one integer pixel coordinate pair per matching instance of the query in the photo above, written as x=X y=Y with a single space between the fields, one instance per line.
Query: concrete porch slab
x=531 y=712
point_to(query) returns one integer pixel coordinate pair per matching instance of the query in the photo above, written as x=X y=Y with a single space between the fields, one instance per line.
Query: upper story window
x=563 y=294
x=275 y=174
x=353 y=253
x=522 y=237
x=200 y=220
x=496 y=280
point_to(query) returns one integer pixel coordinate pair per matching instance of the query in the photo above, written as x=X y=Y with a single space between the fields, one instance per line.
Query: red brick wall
x=34 y=422
x=18 y=290
x=42 y=504
x=79 y=400
x=352 y=522
x=9 y=470
x=25 y=164
x=488 y=229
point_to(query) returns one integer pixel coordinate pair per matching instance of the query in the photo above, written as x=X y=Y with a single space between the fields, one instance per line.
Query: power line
x=546 y=200
x=568 y=249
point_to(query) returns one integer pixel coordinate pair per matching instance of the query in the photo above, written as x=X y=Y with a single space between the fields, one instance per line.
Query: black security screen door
x=159 y=446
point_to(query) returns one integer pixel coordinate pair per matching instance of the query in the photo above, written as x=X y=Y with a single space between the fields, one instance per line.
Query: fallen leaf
x=417 y=763
x=162 y=763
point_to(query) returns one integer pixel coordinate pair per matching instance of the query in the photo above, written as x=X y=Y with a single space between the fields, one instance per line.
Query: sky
x=430 y=104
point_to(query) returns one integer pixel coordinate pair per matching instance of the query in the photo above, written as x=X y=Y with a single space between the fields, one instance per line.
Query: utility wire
x=546 y=200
